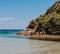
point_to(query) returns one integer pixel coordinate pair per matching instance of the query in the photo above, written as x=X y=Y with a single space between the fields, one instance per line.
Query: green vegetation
x=51 y=19
x=58 y=10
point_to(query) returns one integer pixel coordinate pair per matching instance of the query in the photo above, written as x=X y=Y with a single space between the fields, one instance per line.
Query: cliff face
x=48 y=23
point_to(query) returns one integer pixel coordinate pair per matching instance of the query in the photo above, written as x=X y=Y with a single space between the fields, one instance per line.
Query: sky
x=17 y=14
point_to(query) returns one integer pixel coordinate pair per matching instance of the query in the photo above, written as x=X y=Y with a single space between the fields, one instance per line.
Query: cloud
x=9 y=18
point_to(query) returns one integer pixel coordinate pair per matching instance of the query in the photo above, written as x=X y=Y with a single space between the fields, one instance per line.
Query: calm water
x=10 y=43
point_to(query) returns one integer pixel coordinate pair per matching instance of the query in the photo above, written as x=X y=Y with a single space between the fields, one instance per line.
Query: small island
x=45 y=26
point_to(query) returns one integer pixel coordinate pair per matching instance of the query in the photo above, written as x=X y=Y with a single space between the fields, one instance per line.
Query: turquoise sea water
x=10 y=43
x=10 y=34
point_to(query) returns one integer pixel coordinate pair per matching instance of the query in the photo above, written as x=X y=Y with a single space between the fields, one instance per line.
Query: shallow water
x=12 y=44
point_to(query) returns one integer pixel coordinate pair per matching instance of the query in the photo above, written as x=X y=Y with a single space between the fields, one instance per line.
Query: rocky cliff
x=48 y=23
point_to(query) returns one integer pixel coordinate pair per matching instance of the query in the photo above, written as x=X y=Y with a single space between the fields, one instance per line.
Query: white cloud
x=9 y=18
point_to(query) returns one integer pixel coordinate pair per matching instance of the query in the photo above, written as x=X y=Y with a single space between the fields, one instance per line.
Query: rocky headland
x=45 y=26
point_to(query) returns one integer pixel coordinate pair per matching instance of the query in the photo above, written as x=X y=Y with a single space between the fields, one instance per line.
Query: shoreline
x=45 y=37
x=41 y=37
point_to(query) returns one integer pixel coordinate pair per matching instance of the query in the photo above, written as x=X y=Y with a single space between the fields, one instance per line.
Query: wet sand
x=28 y=46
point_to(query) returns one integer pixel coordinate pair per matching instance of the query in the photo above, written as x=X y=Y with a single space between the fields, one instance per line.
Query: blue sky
x=16 y=14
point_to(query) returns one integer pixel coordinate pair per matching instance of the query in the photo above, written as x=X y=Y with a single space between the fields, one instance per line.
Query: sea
x=10 y=43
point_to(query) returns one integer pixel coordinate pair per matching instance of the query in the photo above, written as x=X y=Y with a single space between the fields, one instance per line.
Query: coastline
x=42 y=37
x=45 y=37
